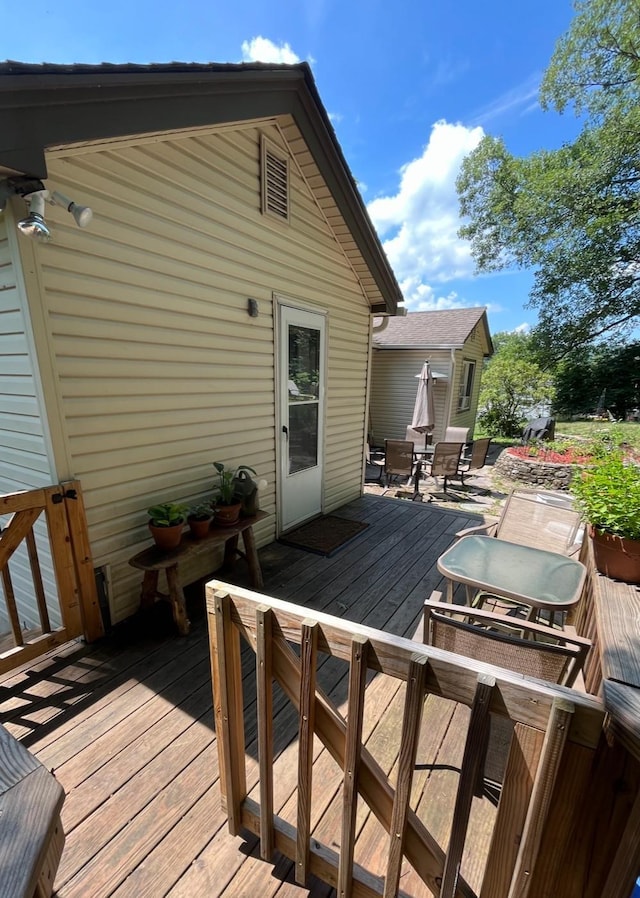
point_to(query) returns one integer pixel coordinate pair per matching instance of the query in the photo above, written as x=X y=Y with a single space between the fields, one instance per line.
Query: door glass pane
x=303 y=437
x=304 y=363
x=303 y=393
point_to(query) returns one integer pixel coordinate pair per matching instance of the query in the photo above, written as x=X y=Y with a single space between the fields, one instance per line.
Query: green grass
x=628 y=430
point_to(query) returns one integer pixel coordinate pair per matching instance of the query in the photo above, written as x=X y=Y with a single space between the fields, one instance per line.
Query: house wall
x=393 y=391
x=25 y=454
x=158 y=369
x=474 y=349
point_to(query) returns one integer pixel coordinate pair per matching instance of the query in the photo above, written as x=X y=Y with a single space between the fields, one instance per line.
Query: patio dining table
x=522 y=574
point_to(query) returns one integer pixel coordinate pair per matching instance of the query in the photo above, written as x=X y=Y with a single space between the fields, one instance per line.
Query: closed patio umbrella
x=424 y=415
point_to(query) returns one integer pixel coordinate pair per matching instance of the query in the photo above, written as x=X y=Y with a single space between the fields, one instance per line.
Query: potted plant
x=167 y=521
x=227 y=502
x=199 y=519
x=608 y=494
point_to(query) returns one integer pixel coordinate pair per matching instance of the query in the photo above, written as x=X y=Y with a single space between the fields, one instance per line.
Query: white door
x=302 y=336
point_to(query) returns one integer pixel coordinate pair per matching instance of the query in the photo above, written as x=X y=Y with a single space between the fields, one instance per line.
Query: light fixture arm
x=81 y=214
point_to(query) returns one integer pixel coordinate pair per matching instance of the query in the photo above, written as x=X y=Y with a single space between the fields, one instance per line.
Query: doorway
x=302 y=391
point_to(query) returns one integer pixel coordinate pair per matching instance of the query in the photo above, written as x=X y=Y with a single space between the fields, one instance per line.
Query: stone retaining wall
x=545 y=474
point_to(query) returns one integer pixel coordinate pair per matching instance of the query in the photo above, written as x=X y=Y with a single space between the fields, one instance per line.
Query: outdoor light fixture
x=34 y=224
x=81 y=214
x=35 y=195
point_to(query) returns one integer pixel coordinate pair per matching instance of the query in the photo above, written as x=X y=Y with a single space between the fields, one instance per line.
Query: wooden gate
x=555 y=734
x=63 y=509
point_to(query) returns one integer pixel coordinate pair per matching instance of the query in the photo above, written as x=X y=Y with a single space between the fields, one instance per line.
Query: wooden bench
x=31 y=835
x=153 y=560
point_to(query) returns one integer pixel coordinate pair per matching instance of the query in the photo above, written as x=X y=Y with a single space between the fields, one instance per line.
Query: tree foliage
x=571 y=214
x=607 y=374
x=512 y=384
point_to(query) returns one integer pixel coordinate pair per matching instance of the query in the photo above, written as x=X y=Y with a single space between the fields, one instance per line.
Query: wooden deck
x=127 y=726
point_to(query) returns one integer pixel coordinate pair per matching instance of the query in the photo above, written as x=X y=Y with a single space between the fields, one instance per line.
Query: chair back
x=421 y=440
x=446 y=459
x=479 y=453
x=398 y=457
x=505 y=642
x=456 y=435
x=542 y=520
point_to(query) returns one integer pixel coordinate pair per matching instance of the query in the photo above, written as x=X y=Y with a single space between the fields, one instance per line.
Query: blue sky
x=411 y=86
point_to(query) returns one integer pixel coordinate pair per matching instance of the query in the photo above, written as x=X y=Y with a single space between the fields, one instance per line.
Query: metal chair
x=477 y=459
x=536 y=518
x=420 y=440
x=398 y=459
x=533 y=650
x=456 y=435
x=444 y=462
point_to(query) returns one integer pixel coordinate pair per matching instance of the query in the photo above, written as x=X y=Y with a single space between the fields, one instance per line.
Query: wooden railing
x=547 y=776
x=63 y=509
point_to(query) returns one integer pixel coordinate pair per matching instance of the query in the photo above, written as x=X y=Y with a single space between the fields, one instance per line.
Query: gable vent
x=275 y=182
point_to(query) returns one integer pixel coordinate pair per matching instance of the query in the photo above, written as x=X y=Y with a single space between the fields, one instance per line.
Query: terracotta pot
x=227 y=515
x=616 y=556
x=199 y=527
x=167 y=537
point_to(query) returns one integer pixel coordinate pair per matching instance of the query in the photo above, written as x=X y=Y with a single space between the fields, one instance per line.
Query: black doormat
x=325 y=535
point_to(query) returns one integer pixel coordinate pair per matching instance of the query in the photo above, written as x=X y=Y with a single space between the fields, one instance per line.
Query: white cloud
x=520 y=96
x=261 y=49
x=421 y=221
x=523 y=328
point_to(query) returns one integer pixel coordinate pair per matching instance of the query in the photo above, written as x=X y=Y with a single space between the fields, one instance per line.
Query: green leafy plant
x=608 y=494
x=168 y=514
x=201 y=512
x=224 y=489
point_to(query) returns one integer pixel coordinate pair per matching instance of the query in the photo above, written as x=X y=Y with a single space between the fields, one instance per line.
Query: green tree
x=512 y=383
x=610 y=370
x=571 y=214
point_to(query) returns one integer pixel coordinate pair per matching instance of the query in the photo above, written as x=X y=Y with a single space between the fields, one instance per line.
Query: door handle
x=285 y=430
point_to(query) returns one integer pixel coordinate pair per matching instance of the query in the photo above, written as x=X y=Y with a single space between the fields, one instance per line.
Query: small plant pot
x=616 y=556
x=167 y=537
x=199 y=527
x=227 y=515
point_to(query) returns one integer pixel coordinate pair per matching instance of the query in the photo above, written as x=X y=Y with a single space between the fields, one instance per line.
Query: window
x=274 y=169
x=466 y=385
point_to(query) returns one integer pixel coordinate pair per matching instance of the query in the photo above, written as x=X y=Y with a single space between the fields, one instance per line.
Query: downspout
x=452 y=381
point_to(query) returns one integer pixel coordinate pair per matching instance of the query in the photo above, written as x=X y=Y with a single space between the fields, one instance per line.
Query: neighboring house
x=230 y=254
x=455 y=342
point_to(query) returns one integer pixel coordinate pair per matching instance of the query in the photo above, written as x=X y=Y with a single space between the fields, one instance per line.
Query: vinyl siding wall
x=474 y=349
x=24 y=457
x=160 y=369
x=393 y=391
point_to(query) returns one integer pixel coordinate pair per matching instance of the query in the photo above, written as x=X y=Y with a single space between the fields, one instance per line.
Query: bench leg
x=255 y=571
x=149 y=589
x=176 y=597
x=230 y=552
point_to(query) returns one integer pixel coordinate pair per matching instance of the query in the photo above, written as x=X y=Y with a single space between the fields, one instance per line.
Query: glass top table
x=523 y=574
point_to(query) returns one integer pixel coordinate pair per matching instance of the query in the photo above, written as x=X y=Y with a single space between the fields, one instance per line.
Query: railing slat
x=63 y=565
x=554 y=742
x=36 y=574
x=522 y=763
x=227 y=698
x=264 y=690
x=473 y=758
x=306 y=715
x=16 y=530
x=352 y=754
x=411 y=720
x=12 y=608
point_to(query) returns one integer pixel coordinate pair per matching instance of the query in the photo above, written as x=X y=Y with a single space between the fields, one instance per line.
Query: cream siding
x=393 y=391
x=474 y=349
x=25 y=461
x=160 y=371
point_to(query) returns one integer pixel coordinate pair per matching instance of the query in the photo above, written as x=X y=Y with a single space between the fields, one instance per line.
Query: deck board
x=128 y=726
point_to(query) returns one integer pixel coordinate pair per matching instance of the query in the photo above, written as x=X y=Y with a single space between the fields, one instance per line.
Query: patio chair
x=536 y=518
x=398 y=459
x=476 y=460
x=420 y=440
x=456 y=435
x=533 y=650
x=444 y=462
